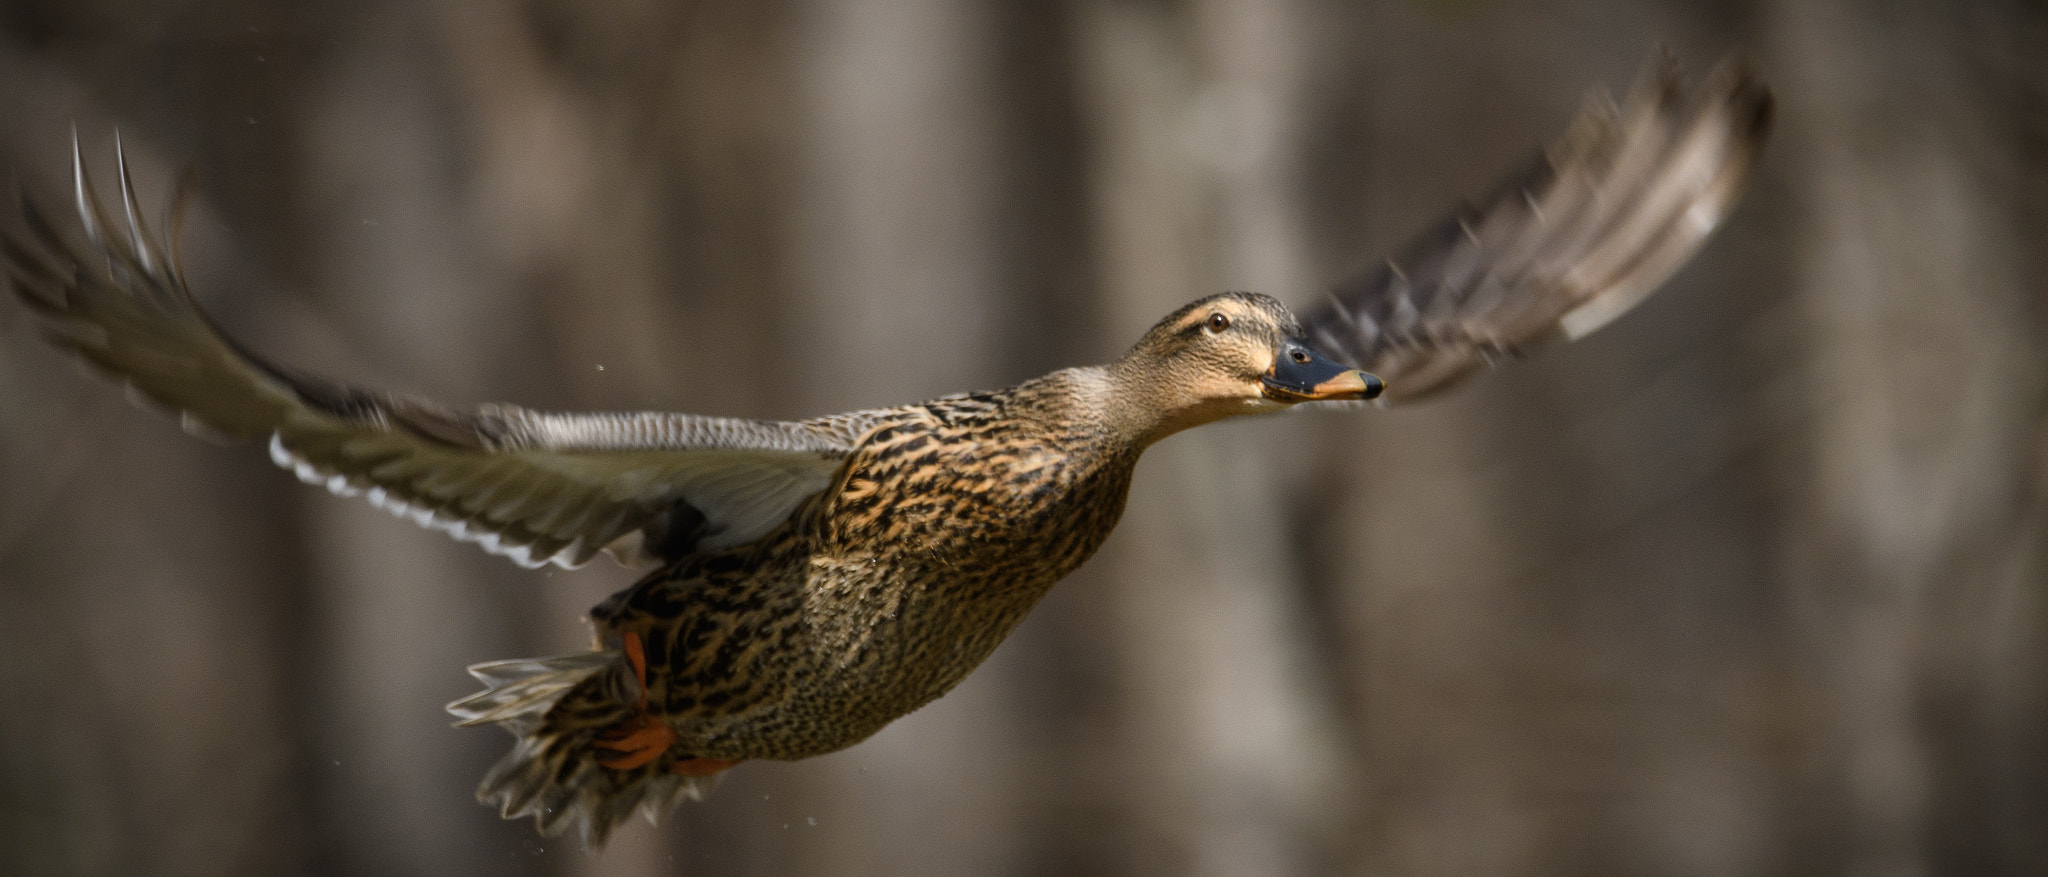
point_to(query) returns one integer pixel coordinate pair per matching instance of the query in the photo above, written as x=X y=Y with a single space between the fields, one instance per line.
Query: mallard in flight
x=814 y=580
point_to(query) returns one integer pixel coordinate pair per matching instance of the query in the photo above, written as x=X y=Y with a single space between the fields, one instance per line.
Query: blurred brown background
x=1753 y=582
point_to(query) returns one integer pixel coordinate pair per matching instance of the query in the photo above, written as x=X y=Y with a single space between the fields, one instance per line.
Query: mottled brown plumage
x=942 y=531
x=939 y=532
x=815 y=580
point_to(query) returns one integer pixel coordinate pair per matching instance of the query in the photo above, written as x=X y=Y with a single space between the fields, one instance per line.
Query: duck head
x=1227 y=355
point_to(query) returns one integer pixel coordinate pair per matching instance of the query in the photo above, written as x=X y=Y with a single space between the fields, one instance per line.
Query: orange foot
x=642 y=738
x=700 y=767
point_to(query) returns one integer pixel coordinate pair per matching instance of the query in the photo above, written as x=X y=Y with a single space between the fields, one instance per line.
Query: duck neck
x=1086 y=404
x=1146 y=403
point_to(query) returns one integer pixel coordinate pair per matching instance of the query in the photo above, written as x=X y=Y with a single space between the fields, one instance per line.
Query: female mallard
x=815 y=580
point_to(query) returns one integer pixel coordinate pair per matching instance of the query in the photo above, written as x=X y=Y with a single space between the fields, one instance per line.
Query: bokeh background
x=1751 y=583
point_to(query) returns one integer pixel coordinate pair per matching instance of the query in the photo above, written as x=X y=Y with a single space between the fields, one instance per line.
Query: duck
x=810 y=581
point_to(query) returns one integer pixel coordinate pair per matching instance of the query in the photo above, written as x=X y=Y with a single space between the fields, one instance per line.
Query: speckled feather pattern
x=944 y=527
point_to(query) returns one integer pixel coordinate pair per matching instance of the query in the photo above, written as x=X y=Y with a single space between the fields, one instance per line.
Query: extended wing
x=537 y=487
x=1597 y=222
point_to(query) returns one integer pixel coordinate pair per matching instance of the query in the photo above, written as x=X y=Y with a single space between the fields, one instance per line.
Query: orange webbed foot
x=639 y=741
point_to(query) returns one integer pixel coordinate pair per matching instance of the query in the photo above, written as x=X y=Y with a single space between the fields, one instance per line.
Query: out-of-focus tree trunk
x=1915 y=574
x=1231 y=770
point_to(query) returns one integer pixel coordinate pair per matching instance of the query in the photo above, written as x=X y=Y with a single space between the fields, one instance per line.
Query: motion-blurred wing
x=1595 y=224
x=537 y=487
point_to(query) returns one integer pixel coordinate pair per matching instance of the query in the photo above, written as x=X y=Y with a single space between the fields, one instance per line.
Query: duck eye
x=1218 y=322
x=1300 y=356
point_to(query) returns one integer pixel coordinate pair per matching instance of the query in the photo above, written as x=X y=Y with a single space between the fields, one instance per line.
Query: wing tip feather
x=1613 y=207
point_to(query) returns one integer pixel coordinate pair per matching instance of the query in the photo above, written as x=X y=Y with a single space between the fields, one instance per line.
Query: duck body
x=939 y=531
x=943 y=528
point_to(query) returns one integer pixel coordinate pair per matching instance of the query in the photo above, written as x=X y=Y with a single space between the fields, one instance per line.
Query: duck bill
x=1300 y=374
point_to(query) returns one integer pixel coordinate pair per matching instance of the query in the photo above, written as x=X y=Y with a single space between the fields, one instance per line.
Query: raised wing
x=1596 y=223
x=537 y=487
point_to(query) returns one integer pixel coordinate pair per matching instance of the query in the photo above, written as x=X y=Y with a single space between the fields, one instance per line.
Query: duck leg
x=700 y=767
x=642 y=738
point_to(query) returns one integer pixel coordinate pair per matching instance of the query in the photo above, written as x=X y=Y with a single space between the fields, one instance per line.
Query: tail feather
x=555 y=708
x=521 y=691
